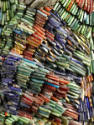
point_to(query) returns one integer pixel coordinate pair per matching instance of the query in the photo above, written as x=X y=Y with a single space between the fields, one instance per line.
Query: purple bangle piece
x=75 y=77
x=76 y=61
x=7 y=80
x=9 y=63
x=60 y=36
x=13 y=112
x=67 y=51
x=14 y=58
x=3 y=72
x=60 y=29
x=5 y=84
x=58 y=46
x=63 y=22
x=72 y=40
x=49 y=27
x=12 y=68
x=10 y=95
x=55 y=13
x=9 y=106
x=7 y=68
x=12 y=72
x=59 y=73
x=15 y=89
x=60 y=39
x=13 y=103
x=12 y=98
x=8 y=75
x=62 y=44
x=55 y=16
x=54 y=22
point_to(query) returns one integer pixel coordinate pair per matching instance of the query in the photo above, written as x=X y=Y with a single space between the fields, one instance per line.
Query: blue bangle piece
x=76 y=61
x=56 y=86
x=18 y=31
x=87 y=102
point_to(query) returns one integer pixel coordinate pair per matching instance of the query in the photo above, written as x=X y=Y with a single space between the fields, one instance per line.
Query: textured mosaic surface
x=46 y=63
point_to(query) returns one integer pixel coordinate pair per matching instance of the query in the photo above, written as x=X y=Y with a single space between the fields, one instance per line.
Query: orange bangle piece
x=36 y=41
x=54 y=99
x=45 y=12
x=33 y=42
x=47 y=9
x=63 y=81
x=70 y=5
x=43 y=37
x=39 y=28
x=36 y=37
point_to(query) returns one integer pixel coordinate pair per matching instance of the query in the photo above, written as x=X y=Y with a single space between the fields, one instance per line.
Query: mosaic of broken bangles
x=46 y=62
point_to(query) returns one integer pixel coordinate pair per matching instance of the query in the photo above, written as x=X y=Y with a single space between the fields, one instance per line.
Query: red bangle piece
x=54 y=99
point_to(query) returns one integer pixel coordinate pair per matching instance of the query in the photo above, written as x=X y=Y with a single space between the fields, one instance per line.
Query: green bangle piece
x=67 y=4
x=64 y=5
x=63 y=1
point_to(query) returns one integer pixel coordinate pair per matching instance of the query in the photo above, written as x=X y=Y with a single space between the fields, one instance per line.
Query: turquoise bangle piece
x=52 y=84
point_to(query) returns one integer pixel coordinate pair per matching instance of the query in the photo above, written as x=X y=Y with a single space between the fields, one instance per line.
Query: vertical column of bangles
x=35 y=40
x=22 y=31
